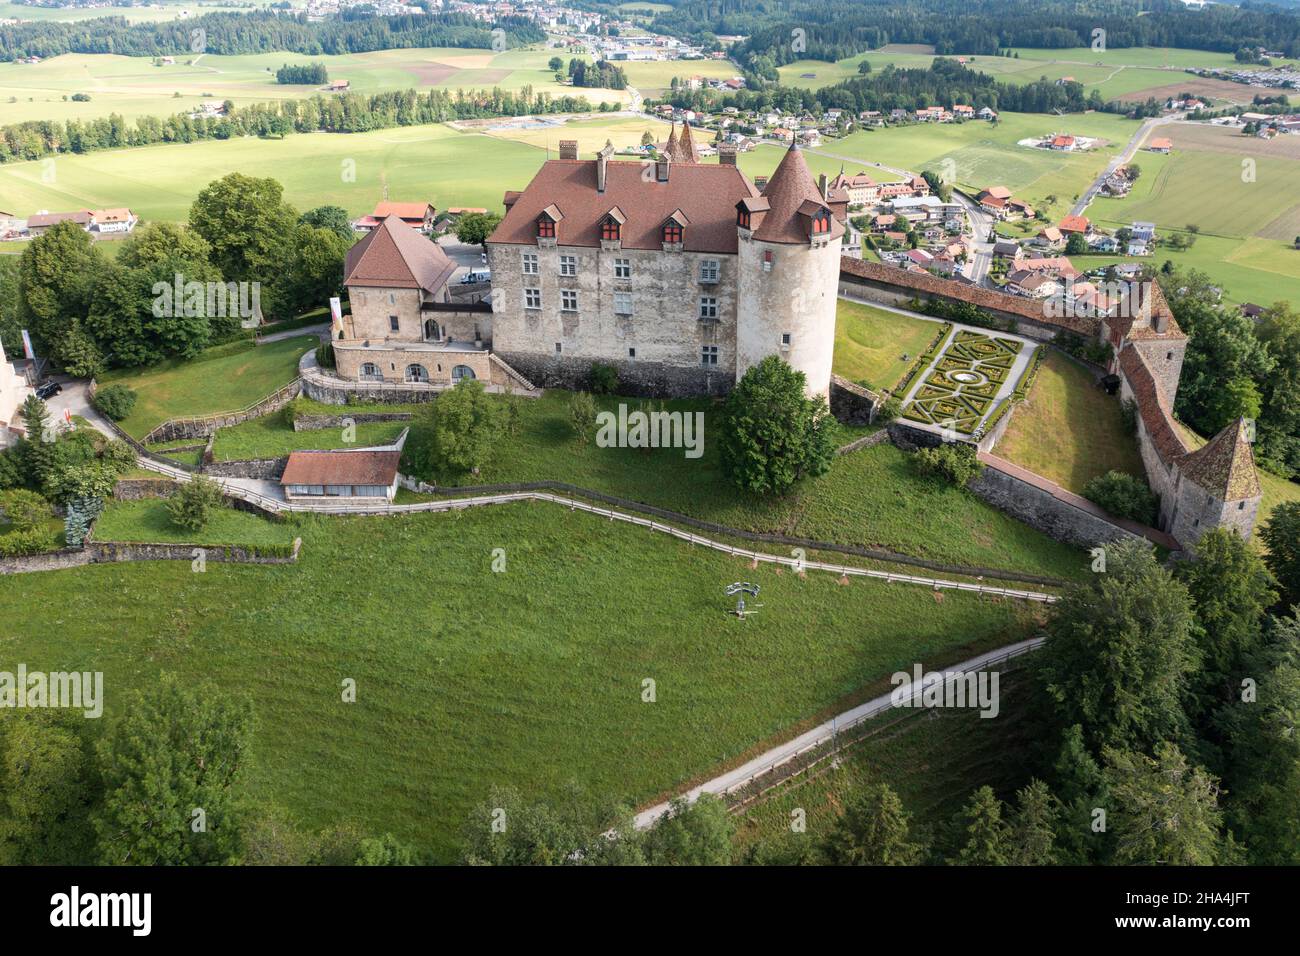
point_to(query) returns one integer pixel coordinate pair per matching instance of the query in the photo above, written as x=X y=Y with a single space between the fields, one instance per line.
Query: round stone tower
x=789 y=269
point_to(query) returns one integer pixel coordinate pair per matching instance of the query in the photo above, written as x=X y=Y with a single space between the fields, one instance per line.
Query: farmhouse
x=42 y=222
x=346 y=474
x=1074 y=224
x=1161 y=144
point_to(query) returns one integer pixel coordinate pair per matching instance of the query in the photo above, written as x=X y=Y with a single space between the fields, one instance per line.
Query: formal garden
x=965 y=382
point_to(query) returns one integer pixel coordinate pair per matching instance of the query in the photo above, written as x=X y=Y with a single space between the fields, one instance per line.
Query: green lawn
x=870 y=343
x=1068 y=430
x=147 y=520
x=870 y=498
x=933 y=760
x=467 y=679
x=201 y=387
x=270 y=437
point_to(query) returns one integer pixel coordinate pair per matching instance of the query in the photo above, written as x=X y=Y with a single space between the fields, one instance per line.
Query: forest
x=259 y=31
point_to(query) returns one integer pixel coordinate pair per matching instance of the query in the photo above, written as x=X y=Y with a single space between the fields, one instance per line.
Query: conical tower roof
x=1225 y=465
x=791 y=189
x=686 y=152
x=670 y=148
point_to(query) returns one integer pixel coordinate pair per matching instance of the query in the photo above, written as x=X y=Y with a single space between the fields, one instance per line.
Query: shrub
x=81 y=514
x=604 y=379
x=325 y=355
x=1122 y=495
x=890 y=409
x=115 y=401
x=462 y=424
x=955 y=462
x=118 y=455
x=31 y=541
x=192 y=506
x=24 y=509
x=582 y=415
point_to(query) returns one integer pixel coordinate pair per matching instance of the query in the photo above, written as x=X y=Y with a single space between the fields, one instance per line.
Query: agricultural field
x=1247 y=234
x=1116 y=74
x=1068 y=430
x=652 y=77
x=531 y=678
x=875 y=346
x=156 y=11
x=225 y=381
x=134 y=86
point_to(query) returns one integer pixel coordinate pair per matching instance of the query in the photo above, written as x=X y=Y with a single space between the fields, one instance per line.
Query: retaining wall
x=308 y=423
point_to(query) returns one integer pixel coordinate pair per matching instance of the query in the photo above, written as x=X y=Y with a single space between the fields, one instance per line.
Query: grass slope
x=530 y=678
x=870 y=343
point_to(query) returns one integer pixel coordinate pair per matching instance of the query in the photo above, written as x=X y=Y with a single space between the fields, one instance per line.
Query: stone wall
x=664 y=327
x=637 y=378
x=267 y=468
x=49 y=561
x=392 y=359
x=851 y=403
x=138 y=489
x=205 y=427
x=1044 y=511
x=103 y=552
x=309 y=423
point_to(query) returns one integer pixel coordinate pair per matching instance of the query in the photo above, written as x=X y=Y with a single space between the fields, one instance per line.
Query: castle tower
x=1217 y=486
x=686 y=152
x=670 y=148
x=788 y=274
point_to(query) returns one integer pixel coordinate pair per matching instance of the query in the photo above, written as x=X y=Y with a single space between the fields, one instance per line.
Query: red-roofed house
x=1074 y=224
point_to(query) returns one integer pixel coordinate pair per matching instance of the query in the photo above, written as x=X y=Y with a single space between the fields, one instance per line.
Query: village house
x=1160 y=144
x=861 y=188
x=420 y=216
x=1071 y=225
x=347 y=474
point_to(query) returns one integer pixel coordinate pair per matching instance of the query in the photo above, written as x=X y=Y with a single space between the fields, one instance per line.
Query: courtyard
x=970 y=374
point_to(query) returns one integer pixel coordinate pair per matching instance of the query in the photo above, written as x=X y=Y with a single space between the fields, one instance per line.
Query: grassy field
x=1114 y=73
x=871 y=497
x=1068 y=430
x=652 y=77
x=870 y=343
x=156 y=11
x=223 y=383
x=467 y=679
x=932 y=760
x=270 y=437
x=134 y=86
x=147 y=520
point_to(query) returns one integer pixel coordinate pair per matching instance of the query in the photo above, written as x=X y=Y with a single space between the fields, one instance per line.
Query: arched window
x=431 y=330
x=461 y=371
x=370 y=372
x=821 y=223
x=416 y=373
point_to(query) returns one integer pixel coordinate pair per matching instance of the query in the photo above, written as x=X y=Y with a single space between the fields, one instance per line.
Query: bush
x=81 y=514
x=24 y=509
x=582 y=415
x=118 y=455
x=31 y=541
x=604 y=379
x=1122 y=495
x=462 y=426
x=890 y=409
x=325 y=355
x=192 y=506
x=115 y=401
x=955 y=463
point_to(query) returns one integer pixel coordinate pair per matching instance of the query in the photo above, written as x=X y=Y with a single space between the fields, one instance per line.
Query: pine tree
x=873 y=831
x=1032 y=840
x=986 y=835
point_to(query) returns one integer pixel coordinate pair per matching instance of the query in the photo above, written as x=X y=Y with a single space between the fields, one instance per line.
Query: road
x=1134 y=144
x=877 y=705
x=980 y=260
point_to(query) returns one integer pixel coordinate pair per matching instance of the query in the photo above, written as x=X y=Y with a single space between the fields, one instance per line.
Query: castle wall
x=664 y=329
x=393 y=360
x=1164 y=357
x=794 y=296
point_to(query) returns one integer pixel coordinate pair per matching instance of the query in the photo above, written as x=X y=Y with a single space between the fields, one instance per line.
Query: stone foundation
x=645 y=379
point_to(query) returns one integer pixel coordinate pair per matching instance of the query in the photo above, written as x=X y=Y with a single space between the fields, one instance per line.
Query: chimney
x=661 y=169
x=602 y=160
x=821 y=186
x=727 y=154
x=568 y=149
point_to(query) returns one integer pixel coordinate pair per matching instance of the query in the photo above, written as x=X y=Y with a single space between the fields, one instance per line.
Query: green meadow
x=531 y=678
x=134 y=86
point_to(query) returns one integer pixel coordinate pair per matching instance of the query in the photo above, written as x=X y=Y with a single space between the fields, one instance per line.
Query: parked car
x=48 y=390
x=482 y=275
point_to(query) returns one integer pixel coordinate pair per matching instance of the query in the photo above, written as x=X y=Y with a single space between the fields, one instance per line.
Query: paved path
x=733 y=779
x=317 y=330
x=1135 y=142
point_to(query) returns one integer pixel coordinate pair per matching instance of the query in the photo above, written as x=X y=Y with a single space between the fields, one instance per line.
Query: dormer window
x=672 y=232
x=545 y=228
x=821 y=223
x=610 y=230
x=742 y=219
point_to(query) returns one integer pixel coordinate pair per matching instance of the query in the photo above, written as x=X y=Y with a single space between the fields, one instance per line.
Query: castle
x=681 y=275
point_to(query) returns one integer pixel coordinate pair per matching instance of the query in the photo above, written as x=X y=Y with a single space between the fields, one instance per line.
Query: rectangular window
x=530 y=263
x=392 y=323
x=672 y=232
x=708 y=308
x=631 y=353
x=709 y=270
x=609 y=230
x=622 y=303
x=392 y=298
x=709 y=355
x=568 y=265
x=568 y=300
x=785 y=340
x=532 y=298
x=559 y=347
x=545 y=229
x=622 y=268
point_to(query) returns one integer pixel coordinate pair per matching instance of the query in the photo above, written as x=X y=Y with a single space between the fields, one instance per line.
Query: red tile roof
x=793 y=197
x=1153 y=405
x=707 y=193
x=341 y=468
x=54 y=218
x=406 y=210
x=1074 y=224
x=1225 y=465
x=394 y=256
